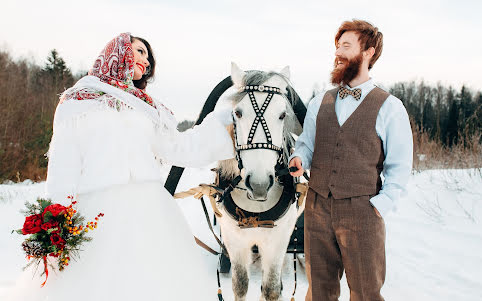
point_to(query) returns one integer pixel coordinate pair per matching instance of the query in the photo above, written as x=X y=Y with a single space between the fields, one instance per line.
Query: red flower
x=50 y=225
x=32 y=224
x=57 y=240
x=55 y=209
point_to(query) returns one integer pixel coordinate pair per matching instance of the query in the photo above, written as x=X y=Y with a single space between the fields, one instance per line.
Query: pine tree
x=466 y=105
x=452 y=124
x=439 y=98
x=429 y=118
x=421 y=99
x=57 y=70
x=444 y=119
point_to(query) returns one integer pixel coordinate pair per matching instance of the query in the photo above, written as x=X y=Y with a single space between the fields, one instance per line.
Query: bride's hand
x=224 y=115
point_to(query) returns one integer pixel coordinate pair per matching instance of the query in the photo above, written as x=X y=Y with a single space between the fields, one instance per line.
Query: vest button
x=333 y=171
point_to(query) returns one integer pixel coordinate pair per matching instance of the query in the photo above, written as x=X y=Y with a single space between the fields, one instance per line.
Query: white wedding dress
x=143 y=248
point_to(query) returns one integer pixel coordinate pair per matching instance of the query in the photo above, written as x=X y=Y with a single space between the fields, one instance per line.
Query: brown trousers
x=342 y=235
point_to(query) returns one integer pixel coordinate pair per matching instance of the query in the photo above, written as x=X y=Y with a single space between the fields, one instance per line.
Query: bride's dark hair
x=149 y=75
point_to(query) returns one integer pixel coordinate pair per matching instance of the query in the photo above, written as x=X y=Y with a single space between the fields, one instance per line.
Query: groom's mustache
x=345 y=70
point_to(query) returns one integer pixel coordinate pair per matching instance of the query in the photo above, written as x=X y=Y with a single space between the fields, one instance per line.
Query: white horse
x=263 y=122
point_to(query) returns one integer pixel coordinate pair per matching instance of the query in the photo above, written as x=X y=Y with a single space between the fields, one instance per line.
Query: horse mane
x=229 y=168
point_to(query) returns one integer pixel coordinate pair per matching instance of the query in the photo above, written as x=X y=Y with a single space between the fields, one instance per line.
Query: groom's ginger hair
x=368 y=35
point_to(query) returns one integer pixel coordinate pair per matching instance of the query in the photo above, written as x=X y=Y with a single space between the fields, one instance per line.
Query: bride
x=110 y=139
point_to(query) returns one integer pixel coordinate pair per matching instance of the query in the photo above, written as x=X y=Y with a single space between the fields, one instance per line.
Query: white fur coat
x=95 y=146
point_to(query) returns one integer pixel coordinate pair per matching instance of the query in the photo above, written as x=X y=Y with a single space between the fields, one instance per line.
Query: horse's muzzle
x=258 y=191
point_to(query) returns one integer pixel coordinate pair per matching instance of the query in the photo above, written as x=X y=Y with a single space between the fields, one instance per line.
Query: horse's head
x=263 y=117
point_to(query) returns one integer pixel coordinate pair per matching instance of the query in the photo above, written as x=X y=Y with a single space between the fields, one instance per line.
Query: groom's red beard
x=349 y=71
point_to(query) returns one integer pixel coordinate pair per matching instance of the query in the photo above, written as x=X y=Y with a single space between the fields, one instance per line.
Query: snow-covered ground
x=434 y=239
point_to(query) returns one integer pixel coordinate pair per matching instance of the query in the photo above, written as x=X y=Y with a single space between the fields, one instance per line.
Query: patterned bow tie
x=344 y=92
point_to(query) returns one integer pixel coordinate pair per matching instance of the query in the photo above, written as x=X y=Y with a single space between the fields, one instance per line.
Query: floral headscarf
x=113 y=66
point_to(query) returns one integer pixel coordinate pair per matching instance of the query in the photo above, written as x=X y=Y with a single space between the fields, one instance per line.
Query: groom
x=351 y=134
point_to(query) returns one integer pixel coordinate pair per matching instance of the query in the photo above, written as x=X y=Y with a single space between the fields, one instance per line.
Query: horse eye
x=282 y=116
x=238 y=114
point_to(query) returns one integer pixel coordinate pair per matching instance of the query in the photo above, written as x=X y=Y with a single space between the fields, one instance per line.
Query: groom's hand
x=296 y=162
x=377 y=212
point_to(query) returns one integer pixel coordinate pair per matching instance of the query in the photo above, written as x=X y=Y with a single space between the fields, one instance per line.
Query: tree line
x=445 y=114
x=443 y=118
x=29 y=94
x=446 y=124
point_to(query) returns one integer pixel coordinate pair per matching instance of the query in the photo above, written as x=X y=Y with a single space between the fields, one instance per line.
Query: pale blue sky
x=195 y=41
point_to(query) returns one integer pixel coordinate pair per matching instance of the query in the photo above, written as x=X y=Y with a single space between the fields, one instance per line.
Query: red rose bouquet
x=56 y=231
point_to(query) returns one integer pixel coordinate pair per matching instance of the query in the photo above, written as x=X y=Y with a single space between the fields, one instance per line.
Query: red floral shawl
x=113 y=66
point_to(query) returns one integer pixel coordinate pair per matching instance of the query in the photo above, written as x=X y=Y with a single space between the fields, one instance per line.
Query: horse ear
x=286 y=71
x=237 y=75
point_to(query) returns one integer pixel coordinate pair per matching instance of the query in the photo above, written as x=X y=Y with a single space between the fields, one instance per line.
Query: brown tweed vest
x=348 y=159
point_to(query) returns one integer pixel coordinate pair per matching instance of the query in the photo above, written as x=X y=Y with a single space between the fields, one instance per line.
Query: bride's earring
x=148 y=71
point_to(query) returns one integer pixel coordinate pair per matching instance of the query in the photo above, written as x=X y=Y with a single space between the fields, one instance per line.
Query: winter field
x=434 y=239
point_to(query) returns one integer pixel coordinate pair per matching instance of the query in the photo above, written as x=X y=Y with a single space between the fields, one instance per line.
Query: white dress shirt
x=393 y=128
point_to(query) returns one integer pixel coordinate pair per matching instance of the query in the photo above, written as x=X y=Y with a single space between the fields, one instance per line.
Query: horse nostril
x=271 y=181
x=247 y=183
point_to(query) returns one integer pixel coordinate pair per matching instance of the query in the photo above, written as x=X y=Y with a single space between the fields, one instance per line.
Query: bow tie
x=344 y=92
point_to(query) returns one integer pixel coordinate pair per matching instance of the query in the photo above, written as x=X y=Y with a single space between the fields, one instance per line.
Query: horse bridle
x=282 y=171
x=258 y=119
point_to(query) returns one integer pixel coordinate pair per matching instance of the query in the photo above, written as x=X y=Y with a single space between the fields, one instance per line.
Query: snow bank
x=433 y=239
